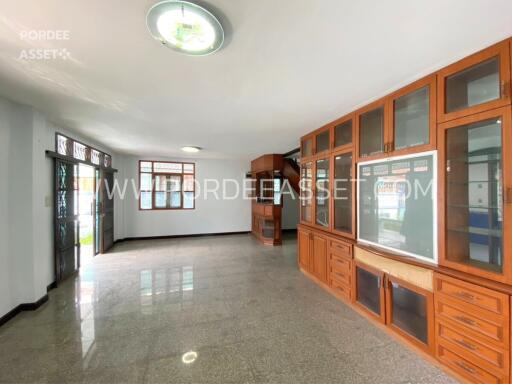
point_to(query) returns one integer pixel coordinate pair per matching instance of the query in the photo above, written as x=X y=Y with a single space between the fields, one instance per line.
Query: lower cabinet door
x=369 y=290
x=319 y=267
x=410 y=312
x=304 y=243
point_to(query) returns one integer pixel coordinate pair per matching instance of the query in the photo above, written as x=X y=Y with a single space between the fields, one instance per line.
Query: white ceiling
x=289 y=66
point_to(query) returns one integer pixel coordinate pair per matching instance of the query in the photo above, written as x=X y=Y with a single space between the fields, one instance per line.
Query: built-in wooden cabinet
x=475 y=84
x=457 y=307
x=475 y=194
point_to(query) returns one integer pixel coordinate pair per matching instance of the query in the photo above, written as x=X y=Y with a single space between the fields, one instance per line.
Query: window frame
x=105 y=159
x=154 y=173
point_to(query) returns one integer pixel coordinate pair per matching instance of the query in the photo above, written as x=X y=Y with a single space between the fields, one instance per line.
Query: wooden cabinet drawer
x=490 y=358
x=338 y=247
x=340 y=288
x=341 y=263
x=481 y=298
x=495 y=333
x=342 y=275
x=466 y=369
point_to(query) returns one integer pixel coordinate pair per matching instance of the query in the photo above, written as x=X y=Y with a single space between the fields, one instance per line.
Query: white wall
x=290 y=215
x=211 y=215
x=26 y=221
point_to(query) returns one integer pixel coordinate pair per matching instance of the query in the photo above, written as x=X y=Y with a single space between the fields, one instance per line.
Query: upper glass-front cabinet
x=476 y=174
x=475 y=84
x=371 y=132
x=323 y=141
x=343 y=134
x=306 y=148
x=322 y=193
x=413 y=125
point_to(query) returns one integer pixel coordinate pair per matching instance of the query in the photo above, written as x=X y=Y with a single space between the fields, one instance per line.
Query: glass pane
x=107 y=161
x=474 y=195
x=307 y=147
x=95 y=157
x=368 y=290
x=412 y=119
x=343 y=193
x=63 y=145
x=410 y=312
x=306 y=191
x=322 y=192
x=146 y=200
x=146 y=166
x=188 y=168
x=371 y=132
x=161 y=183
x=475 y=85
x=277 y=191
x=188 y=183
x=168 y=167
x=161 y=200
x=188 y=200
x=145 y=182
x=174 y=183
x=322 y=142
x=175 y=199
x=79 y=151
x=343 y=134
x=396 y=205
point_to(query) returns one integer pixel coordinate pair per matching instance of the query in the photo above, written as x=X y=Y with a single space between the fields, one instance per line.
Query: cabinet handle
x=465 y=320
x=467 y=345
x=465 y=367
x=465 y=295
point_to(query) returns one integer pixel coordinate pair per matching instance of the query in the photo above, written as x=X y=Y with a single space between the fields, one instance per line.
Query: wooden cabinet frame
x=505 y=115
x=304 y=248
x=315 y=136
x=382 y=276
x=429 y=81
x=502 y=50
x=340 y=121
x=303 y=162
x=429 y=300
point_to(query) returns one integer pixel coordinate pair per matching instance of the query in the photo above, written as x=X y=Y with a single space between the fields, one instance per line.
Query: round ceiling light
x=190 y=149
x=185 y=27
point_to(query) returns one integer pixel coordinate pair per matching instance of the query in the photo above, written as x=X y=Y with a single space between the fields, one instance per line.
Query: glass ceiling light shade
x=185 y=27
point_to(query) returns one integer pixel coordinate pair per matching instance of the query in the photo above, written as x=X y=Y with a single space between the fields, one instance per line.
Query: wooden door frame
x=502 y=50
x=429 y=301
x=505 y=114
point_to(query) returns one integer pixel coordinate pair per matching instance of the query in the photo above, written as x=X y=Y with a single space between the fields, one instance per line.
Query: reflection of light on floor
x=159 y=282
x=86 y=299
x=189 y=357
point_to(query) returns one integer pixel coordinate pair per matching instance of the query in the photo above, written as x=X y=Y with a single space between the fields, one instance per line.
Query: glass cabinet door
x=369 y=291
x=307 y=147
x=322 y=141
x=322 y=193
x=411 y=118
x=343 y=134
x=306 y=187
x=475 y=211
x=475 y=84
x=371 y=132
x=343 y=193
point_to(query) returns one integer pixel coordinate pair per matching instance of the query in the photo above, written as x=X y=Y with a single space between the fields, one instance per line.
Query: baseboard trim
x=21 y=308
x=51 y=286
x=180 y=236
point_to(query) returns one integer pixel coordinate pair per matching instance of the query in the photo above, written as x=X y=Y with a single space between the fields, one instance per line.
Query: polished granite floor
x=201 y=310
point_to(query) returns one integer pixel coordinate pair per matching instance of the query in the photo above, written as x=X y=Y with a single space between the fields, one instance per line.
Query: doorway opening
x=87 y=212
